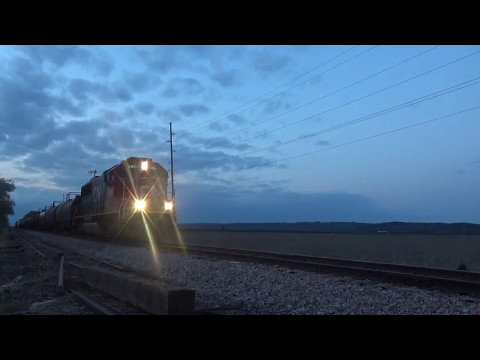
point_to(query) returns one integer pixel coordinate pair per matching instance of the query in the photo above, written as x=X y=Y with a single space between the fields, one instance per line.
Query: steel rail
x=33 y=247
x=443 y=279
x=96 y=306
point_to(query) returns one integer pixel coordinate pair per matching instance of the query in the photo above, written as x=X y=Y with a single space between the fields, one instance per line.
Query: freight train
x=127 y=200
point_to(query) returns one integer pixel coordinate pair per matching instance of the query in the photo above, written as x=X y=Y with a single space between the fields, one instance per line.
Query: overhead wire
x=336 y=91
x=282 y=85
x=377 y=135
x=362 y=97
x=373 y=115
x=290 y=88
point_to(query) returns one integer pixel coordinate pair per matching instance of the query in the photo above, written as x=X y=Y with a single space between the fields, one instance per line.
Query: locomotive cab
x=128 y=198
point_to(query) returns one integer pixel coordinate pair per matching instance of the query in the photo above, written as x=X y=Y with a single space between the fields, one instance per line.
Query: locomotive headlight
x=140 y=205
x=144 y=165
x=168 y=205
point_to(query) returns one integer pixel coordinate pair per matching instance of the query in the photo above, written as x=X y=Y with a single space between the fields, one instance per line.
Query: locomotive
x=127 y=200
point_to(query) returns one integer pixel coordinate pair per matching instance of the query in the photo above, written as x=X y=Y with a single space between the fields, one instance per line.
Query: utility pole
x=171 y=161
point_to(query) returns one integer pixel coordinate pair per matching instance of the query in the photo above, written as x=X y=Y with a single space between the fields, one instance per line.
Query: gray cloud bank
x=205 y=203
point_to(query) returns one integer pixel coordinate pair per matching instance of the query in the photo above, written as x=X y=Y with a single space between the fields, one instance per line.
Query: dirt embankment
x=29 y=283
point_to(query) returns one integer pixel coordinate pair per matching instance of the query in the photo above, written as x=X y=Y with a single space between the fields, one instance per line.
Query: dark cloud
x=170 y=115
x=214 y=142
x=207 y=203
x=121 y=92
x=140 y=82
x=192 y=159
x=275 y=185
x=145 y=107
x=218 y=126
x=66 y=149
x=200 y=51
x=25 y=102
x=25 y=72
x=267 y=62
x=61 y=147
x=60 y=55
x=224 y=143
x=82 y=89
x=78 y=129
x=226 y=78
x=64 y=105
x=39 y=139
x=103 y=64
x=182 y=86
x=273 y=105
x=162 y=58
x=237 y=119
x=193 y=109
x=121 y=137
x=174 y=114
x=110 y=116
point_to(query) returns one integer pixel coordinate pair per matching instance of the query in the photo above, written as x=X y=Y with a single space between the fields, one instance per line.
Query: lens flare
x=168 y=205
x=140 y=205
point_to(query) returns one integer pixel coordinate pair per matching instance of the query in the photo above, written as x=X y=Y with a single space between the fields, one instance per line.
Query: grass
x=444 y=251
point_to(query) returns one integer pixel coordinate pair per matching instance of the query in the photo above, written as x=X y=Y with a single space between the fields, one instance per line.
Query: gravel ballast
x=248 y=288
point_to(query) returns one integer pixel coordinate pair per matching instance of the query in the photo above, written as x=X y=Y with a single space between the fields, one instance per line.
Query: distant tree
x=6 y=204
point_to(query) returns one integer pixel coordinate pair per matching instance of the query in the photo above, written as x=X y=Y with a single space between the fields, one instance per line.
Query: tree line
x=6 y=203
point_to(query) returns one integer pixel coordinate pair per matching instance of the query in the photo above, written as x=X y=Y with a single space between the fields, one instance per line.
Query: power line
x=336 y=91
x=370 y=116
x=363 y=97
x=288 y=89
x=288 y=82
x=278 y=87
x=377 y=135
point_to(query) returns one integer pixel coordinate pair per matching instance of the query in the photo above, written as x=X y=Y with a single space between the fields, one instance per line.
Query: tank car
x=64 y=214
x=29 y=221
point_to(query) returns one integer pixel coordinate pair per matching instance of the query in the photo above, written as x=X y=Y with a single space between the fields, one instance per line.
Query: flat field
x=443 y=251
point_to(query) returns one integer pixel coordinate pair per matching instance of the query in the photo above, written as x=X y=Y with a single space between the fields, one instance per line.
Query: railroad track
x=76 y=263
x=458 y=281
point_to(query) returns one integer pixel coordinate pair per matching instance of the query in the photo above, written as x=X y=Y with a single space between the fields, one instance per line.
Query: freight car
x=127 y=200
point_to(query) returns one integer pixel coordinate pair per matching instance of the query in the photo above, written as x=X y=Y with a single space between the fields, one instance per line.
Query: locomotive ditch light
x=140 y=205
x=168 y=205
x=144 y=165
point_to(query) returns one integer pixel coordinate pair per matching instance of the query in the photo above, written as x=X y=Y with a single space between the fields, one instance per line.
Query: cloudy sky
x=288 y=133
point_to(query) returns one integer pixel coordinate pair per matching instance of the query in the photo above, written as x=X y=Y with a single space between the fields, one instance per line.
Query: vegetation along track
x=458 y=281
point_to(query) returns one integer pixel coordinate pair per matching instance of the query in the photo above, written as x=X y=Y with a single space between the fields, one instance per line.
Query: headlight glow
x=140 y=205
x=144 y=165
x=168 y=205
